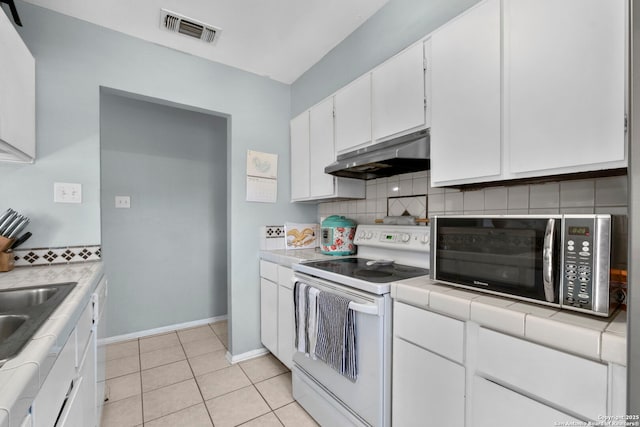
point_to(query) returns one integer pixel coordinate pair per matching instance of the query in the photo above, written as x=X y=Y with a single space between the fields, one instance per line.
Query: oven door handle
x=547 y=261
x=372 y=309
x=365 y=308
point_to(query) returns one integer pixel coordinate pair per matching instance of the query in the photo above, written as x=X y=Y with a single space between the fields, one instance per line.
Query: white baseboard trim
x=246 y=356
x=163 y=329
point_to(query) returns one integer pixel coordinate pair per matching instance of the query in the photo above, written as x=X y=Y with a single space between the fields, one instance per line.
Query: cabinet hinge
x=334 y=112
x=425 y=102
x=626 y=123
x=424 y=64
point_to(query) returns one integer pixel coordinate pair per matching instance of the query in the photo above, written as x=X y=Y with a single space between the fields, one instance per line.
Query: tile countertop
x=597 y=338
x=293 y=256
x=22 y=376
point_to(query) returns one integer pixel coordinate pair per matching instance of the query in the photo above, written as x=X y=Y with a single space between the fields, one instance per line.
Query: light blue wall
x=74 y=59
x=394 y=27
x=172 y=163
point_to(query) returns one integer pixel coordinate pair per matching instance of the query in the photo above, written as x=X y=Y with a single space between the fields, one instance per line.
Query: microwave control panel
x=578 y=275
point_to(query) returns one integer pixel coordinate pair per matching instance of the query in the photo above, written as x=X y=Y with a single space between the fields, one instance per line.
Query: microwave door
x=510 y=255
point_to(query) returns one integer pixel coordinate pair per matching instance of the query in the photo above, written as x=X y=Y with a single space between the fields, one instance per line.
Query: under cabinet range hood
x=408 y=153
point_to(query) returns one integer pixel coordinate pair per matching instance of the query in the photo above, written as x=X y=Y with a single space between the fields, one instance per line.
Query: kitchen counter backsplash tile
x=272 y=237
x=599 y=195
x=59 y=255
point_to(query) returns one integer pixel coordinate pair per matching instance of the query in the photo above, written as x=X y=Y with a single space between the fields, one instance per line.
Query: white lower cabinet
x=428 y=390
x=496 y=406
x=51 y=397
x=579 y=384
x=276 y=311
x=67 y=396
x=428 y=375
x=286 y=329
x=269 y=314
x=457 y=373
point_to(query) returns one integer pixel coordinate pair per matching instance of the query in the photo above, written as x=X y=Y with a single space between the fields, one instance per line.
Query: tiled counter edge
x=287 y=258
x=596 y=338
x=22 y=376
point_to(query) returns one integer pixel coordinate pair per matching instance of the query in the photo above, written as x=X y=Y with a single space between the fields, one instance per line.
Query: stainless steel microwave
x=558 y=260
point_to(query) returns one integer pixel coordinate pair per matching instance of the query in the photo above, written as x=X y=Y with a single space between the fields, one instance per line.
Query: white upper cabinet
x=17 y=96
x=353 y=115
x=565 y=66
x=555 y=105
x=300 y=156
x=398 y=96
x=321 y=148
x=312 y=149
x=466 y=96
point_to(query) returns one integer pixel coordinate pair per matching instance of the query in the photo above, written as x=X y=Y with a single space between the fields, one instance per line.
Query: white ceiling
x=280 y=39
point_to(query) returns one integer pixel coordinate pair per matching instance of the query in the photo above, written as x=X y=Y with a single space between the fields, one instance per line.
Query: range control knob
x=361 y=235
x=425 y=239
x=406 y=237
x=369 y=235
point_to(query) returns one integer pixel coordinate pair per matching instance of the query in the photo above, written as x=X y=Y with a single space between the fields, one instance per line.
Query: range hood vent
x=409 y=153
x=177 y=23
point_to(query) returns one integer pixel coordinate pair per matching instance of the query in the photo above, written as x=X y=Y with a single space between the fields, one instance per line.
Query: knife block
x=7 y=260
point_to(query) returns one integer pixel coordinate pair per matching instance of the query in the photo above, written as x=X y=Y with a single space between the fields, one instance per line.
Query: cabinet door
x=496 y=406
x=428 y=390
x=398 y=94
x=466 y=96
x=353 y=115
x=52 y=394
x=269 y=315
x=321 y=149
x=87 y=393
x=285 y=326
x=565 y=84
x=18 y=96
x=300 y=156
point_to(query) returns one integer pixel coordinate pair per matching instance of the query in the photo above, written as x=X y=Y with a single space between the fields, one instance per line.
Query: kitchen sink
x=24 y=298
x=9 y=324
x=23 y=311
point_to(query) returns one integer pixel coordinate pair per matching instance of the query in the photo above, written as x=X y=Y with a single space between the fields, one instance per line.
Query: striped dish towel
x=336 y=344
x=305 y=312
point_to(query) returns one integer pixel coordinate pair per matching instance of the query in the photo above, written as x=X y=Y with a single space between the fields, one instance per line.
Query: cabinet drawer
x=83 y=331
x=571 y=382
x=496 y=406
x=269 y=270
x=434 y=332
x=285 y=276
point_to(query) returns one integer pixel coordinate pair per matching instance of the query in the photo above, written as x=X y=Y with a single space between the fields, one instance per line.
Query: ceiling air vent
x=177 y=23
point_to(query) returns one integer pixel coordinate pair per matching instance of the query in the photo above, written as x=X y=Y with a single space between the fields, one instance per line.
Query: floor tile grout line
x=139 y=372
x=265 y=399
x=141 y=392
x=255 y=418
x=167 y=414
x=175 y=412
x=204 y=402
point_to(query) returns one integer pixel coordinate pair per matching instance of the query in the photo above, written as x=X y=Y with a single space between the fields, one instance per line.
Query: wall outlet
x=65 y=192
x=123 y=202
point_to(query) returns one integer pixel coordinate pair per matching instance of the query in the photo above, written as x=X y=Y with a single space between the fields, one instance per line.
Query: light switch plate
x=123 y=202
x=66 y=192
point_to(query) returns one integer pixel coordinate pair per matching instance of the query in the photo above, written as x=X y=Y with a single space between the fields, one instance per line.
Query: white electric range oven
x=386 y=253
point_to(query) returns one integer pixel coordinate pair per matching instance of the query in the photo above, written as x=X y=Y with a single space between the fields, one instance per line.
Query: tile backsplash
x=596 y=195
x=57 y=255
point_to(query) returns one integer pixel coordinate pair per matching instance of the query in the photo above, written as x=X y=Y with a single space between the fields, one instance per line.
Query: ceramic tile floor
x=183 y=378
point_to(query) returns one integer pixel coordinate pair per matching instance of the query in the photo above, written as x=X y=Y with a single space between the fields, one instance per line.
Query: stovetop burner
x=368 y=270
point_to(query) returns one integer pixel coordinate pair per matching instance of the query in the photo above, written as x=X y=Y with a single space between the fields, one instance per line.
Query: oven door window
x=496 y=254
